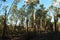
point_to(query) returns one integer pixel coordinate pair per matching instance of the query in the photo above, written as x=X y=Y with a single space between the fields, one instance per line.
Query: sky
x=47 y=4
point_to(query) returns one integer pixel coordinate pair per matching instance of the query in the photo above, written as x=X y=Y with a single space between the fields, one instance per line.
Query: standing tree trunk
x=27 y=25
x=35 y=26
x=4 y=27
x=32 y=21
x=41 y=24
x=55 y=23
x=45 y=24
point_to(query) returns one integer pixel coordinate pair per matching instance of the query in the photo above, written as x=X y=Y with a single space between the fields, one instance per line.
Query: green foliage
x=1 y=18
x=58 y=24
x=27 y=11
x=33 y=2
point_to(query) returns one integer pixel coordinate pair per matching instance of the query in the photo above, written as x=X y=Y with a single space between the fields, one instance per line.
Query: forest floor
x=33 y=36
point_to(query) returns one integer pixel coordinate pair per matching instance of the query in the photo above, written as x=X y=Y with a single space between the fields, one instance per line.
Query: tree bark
x=41 y=24
x=4 y=27
x=27 y=25
x=55 y=23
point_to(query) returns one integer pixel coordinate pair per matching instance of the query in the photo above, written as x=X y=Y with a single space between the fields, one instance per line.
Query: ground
x=33 y=36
